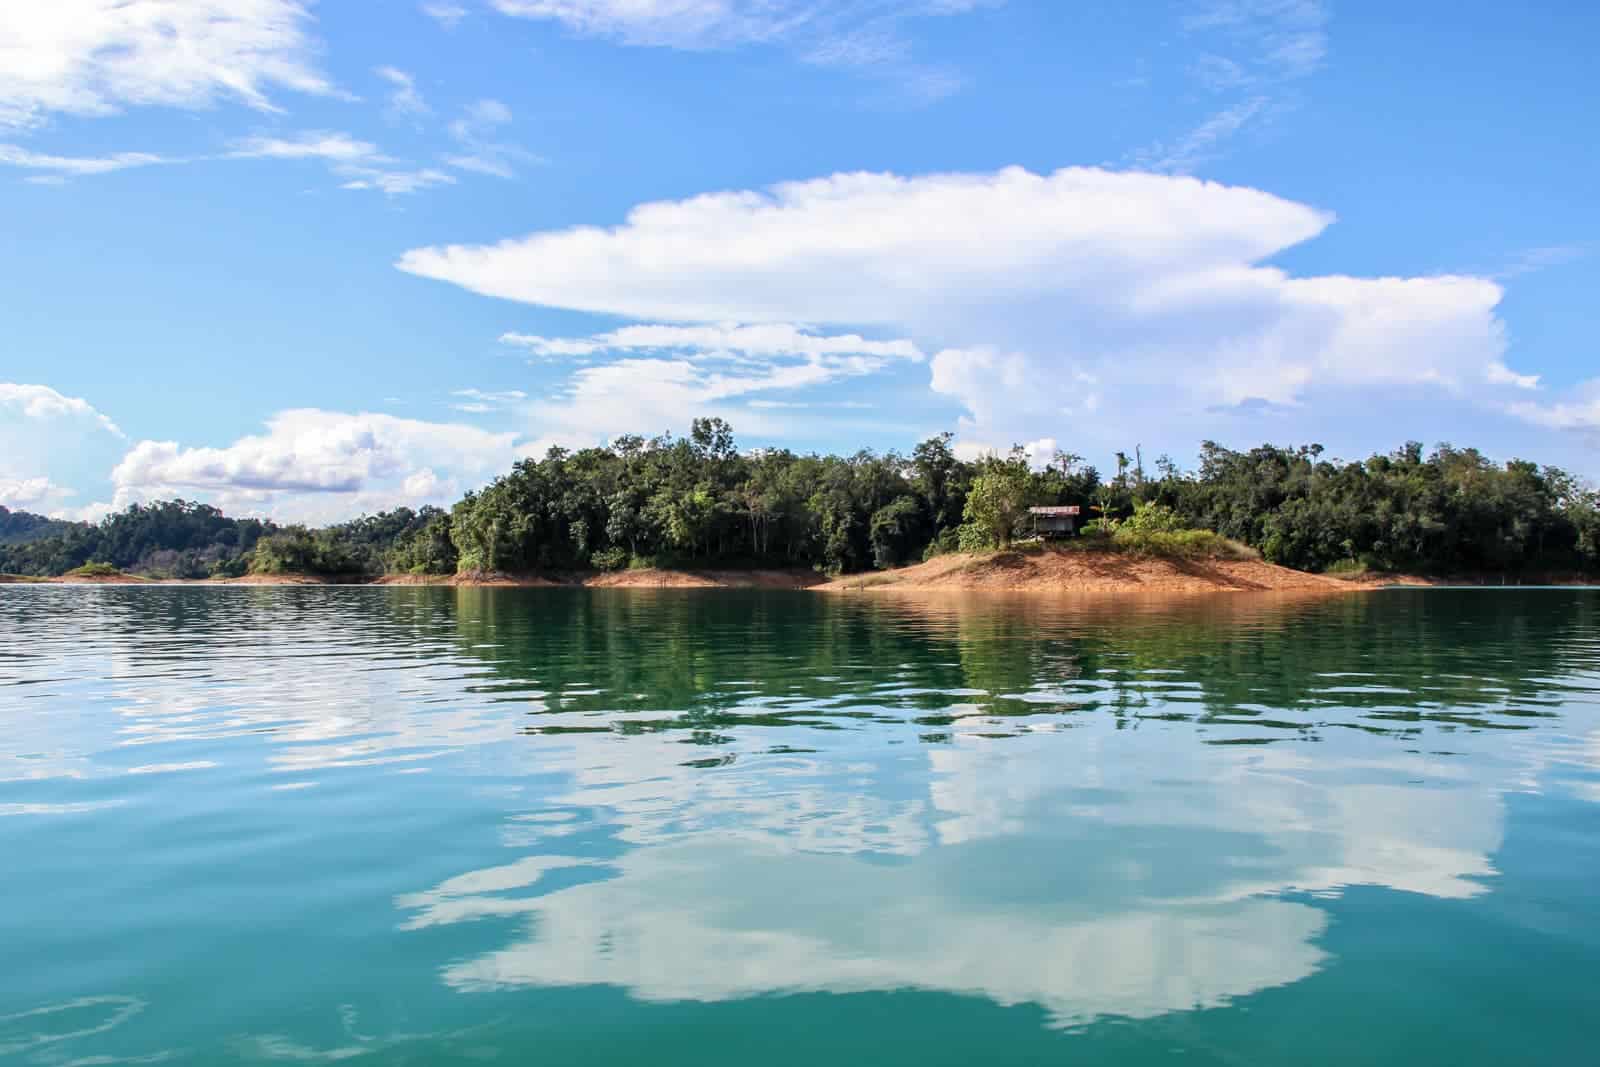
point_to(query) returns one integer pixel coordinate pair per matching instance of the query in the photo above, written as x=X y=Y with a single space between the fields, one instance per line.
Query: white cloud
x=87 y=513
x=1580 y=411
x=1040 y=453
x=1001 y=389
x=882 y=249
x=1497 y=373
x=31 y=493
x=43 y=402
x=43 y=435
x=95 y=57
x=651 y=396
x=321 y=464
x=981 y=377
x=1047 y=293
x=77 y=166
x=425 y=484
x=693 y=371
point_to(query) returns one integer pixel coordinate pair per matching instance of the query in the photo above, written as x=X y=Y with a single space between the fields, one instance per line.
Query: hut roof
x=1070 y=509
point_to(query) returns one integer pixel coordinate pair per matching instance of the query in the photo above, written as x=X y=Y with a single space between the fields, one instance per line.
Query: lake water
x=415 y=826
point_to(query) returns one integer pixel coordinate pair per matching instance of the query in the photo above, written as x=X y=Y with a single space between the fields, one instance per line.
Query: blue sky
x=312 y=259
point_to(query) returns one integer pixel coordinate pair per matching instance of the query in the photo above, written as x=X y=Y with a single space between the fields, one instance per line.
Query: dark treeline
x=699 y=501
x=181 y=539
x=17 y=527
x=173 y=538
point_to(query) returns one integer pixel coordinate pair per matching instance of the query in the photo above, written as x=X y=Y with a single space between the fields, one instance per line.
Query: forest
x=698 y=501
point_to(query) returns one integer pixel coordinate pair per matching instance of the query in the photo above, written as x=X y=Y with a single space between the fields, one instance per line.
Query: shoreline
x=1048 y=572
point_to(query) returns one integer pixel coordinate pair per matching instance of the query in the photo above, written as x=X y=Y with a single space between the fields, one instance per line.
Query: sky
x=309 y=260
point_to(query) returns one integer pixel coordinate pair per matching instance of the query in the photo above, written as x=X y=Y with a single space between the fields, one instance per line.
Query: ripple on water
x=417 y=823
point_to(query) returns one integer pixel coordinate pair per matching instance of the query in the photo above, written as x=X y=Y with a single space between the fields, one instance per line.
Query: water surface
x=414 y=825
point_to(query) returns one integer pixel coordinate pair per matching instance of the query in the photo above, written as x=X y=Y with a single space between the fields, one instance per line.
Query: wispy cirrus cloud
x=98 y=57
x=405 y=99
x=446 y=14
x=53 y=168
x=1258 y=41
x=1544 y=257
x=1200 y=144
x=361 y=164
x=397 y=182
x=480 y=401
x=481 y=152
x=1251 y=53
x=864 y=35
x=325 y=145
x=761 y=341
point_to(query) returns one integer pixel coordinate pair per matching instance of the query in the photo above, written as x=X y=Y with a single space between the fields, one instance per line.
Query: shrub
x=287 y=553
x=949 y=540
x=1150 y=517
x=94 y=569
x=973 y=537
x=1179 y=544
x=296 y=550
x=230 y=568
x=610 y=559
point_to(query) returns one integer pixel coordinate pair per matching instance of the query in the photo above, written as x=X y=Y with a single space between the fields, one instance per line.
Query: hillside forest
x=698 y=501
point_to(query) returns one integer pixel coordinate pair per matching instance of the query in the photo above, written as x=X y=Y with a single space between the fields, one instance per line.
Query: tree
x=1451 y=510
x=998 y=498
x=940 y=480
x=893 y=532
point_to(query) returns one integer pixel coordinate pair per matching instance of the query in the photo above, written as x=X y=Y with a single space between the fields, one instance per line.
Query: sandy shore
x=630 y=579
x=1089 y=572
x=79 y=579
x=1048 y=571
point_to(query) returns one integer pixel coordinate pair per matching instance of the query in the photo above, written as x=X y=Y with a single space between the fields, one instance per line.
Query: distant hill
x=184 y=539
x=21 y=527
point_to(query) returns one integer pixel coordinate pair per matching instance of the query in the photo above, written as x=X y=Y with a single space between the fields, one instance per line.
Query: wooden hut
x=1055 y=521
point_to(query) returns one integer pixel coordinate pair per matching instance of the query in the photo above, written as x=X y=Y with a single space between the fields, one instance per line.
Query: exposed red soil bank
x=1077 y=571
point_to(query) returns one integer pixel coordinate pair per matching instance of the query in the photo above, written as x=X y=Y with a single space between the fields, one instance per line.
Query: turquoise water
x=411 y=826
